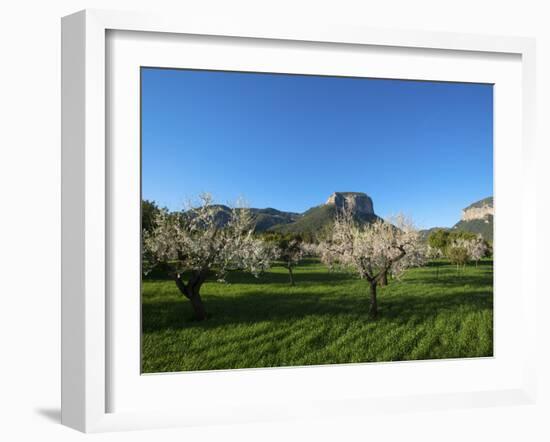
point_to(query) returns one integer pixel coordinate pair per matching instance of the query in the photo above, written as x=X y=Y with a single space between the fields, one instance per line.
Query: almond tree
x=327 y=255
x=438 y=241
x=434 y=253
x=310 y=249
x=373 y=250
x=193 y=242
x=458 y=253
x=290 y=252
x=477 y=248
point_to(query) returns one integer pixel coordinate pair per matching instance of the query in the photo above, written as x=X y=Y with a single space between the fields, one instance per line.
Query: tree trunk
x=384 y=279
x=291 y=275
x=198 y=307
x=191 y=291
x=373 y=310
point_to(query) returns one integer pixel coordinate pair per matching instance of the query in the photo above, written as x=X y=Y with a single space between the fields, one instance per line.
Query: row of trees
x=458 y=246
x=193 y=246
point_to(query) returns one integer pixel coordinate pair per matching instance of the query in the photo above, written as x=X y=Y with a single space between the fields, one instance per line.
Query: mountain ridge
x=476 y=218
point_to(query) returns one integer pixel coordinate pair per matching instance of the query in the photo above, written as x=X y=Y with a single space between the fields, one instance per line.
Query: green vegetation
x=312 y=220
x=458 y=255
x=481 y=226
x=323 y=319
x=267 y=218
x=441 y=239
x=149 y=210
x=264 y=219
x=459 y=246
x=289 y=250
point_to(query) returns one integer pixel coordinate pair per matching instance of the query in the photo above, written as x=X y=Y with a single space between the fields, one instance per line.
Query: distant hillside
x=317 y=218
x=424 y=234
x=483 y=226
x=267 y=218
x=263 y=218
x=312 y=220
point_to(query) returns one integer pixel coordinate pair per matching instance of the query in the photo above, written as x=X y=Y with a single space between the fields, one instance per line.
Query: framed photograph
x=263 y=222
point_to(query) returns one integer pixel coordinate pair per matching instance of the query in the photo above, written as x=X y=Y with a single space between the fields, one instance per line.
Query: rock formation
x=481 y=210
x=359 y=202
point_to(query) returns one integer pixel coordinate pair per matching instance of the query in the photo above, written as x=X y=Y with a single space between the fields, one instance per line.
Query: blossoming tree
x=374 y=250
x=432 y=254
x=477 y=248
x=194 y=243
x=457 y=252
x=290 y=253
x=464 y=249
x=288 y=249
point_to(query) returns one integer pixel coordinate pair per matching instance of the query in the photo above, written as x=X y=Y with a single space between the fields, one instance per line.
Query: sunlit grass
x=323 y=319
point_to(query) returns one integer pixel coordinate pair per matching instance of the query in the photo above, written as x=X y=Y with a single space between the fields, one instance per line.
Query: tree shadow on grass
x=444 y=263
x=281 y=276
x=420 y=308
x=453 y=280
x=255 y=307
x=249 y=308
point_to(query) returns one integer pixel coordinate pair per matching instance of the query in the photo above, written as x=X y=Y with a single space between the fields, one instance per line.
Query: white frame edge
x=83 y=335
x=83 y=222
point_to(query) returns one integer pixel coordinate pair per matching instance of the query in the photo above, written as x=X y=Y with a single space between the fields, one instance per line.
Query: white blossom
x=477 y=248
x=372 y=249
x=433 y=252
x=193 y=240
x=310 y=249
x=291 y=252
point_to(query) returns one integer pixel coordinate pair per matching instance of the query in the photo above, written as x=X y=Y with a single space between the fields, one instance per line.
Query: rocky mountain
x=481 y=209
x=359 y=202
x=312 y=220
x=478 y=218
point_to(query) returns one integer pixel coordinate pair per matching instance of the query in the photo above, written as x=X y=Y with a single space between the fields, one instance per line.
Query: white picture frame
x=86 y=208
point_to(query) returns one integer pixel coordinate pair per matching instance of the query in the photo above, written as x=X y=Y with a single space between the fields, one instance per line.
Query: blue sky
x=288 y=141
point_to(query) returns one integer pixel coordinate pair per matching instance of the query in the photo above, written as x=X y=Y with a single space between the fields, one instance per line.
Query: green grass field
x=323 y=319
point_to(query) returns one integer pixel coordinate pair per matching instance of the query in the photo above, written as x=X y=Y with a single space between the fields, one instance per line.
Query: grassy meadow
x=432 y=313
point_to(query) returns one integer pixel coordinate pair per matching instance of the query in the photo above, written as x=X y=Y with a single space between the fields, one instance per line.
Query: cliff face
x=360 y=202
x=481 y=210
x=478 y=218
